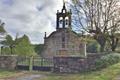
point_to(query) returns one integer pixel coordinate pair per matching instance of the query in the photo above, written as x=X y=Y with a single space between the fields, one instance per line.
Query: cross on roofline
x=64 y=2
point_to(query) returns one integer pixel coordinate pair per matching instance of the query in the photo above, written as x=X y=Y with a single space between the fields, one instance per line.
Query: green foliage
x=24 y=47
x=7 y=45
x=2 y=30
x=107 y=60
x=93 y=47
x=6 y=51
x=38 y=48
x=20 y=46
x=9 y=41
x=7 y=73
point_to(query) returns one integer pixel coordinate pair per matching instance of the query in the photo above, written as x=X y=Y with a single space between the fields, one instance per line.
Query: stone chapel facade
x=63 y=41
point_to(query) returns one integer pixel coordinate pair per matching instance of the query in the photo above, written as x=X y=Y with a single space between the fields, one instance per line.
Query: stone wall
x=8 y=62
x=75 y=64
x=63 y=42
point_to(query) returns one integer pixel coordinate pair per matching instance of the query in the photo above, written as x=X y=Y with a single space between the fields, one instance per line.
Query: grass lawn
x=109 y=73
x=8 y=73
x=4 y=73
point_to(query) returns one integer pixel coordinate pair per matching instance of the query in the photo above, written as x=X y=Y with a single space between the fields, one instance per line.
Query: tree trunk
x=102 y=47
x=11 y=49
x=101 y=39
x=113 y=48
x=114 y=42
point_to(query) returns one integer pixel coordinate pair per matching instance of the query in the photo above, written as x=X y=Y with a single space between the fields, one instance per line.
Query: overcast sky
x=31 y=17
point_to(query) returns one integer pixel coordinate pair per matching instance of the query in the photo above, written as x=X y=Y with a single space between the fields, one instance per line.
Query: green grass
x=109 y=73
x=7 y=73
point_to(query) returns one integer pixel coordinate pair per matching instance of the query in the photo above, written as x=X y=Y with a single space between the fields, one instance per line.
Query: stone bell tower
x=63 y=18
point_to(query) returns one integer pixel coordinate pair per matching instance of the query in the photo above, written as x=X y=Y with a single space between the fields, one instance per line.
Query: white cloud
x=31 y=17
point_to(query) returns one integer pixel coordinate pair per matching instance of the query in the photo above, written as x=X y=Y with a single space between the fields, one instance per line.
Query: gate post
x=31 y=64
x=42 y=61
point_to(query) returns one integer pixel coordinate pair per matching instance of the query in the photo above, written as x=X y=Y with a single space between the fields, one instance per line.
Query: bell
x=66 y=21
x=61 y=21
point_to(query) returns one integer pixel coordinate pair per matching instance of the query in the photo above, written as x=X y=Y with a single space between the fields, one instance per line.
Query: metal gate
x=37 y=63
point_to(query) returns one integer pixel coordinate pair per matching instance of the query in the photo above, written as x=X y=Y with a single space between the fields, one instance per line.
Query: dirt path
x=25 y=76
x=118 y=78
x=28 y=77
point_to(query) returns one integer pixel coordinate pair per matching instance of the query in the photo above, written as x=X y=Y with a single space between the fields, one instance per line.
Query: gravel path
x=26 y=77
x=118 y=78
x=29 y=77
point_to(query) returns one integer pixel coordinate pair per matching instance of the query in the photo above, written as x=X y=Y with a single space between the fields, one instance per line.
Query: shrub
x=107 y=60
x=93 y=47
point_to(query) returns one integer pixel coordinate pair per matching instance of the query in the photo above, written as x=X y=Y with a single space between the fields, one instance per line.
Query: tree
x=2 y=31
x=8 y=42
x=38 y=48
x=114 y=35
x=24 y=47
x=92 y=45
x=113 y=41
x=95 y=17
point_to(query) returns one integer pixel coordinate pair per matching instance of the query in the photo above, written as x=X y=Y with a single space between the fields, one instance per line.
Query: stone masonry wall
x=63 y=42
x=8 y=62
x=75 y=64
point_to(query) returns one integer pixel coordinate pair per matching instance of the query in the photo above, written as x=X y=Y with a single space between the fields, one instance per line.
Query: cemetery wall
x=8 y=62
x=75 y=64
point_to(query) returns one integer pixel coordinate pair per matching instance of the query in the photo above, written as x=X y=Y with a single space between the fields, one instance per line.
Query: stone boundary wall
x=75 y=64
x=8 y=62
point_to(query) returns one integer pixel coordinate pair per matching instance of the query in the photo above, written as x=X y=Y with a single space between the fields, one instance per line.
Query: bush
x=107 y=60
x=93 y=47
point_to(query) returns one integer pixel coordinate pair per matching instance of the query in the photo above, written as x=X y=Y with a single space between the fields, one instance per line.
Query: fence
x=34 y=63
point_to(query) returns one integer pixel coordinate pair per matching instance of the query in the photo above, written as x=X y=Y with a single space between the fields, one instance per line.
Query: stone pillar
x=82 y=49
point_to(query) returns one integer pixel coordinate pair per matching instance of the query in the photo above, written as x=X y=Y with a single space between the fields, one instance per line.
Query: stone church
x=63 y=41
